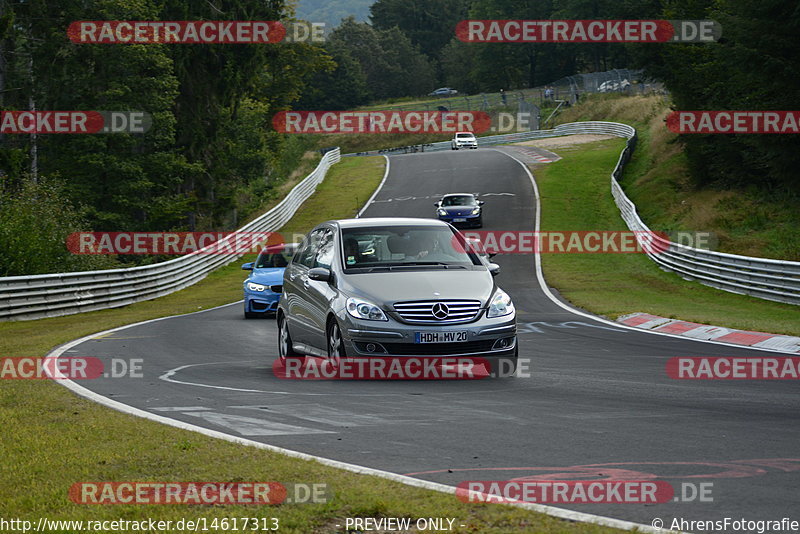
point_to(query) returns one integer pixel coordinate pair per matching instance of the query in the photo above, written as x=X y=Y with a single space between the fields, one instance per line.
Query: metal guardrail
x=53 y=295
x=765 y=278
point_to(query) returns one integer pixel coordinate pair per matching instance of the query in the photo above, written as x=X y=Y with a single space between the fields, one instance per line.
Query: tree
x=343 y=86
x=429 y=24
x=393 y=66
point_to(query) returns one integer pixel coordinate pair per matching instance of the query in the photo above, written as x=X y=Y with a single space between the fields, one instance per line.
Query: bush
x=35 y=221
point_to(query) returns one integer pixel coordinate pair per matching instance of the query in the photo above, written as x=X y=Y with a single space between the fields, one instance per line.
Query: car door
x=319 y=294
x=298 y=313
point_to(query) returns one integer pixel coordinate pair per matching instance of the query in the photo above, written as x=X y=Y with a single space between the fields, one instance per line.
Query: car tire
x=335 y=343
x=285 y=348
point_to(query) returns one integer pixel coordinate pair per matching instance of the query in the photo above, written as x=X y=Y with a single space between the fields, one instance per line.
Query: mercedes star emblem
x=440 y=311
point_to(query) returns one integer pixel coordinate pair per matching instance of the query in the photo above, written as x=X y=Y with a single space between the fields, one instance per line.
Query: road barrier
x=53 y=295
x=764 y=278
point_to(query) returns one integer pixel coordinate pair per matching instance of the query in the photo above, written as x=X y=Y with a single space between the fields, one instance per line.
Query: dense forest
x=408 y=48
x=211 y=156
x=206 y=162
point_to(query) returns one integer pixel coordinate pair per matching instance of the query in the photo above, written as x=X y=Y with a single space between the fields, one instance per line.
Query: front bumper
x=486 y=338
x=261 y=301
x=469 y=220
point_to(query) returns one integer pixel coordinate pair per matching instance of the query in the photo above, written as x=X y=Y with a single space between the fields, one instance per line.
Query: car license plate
x=459 y=219
x=440 y=337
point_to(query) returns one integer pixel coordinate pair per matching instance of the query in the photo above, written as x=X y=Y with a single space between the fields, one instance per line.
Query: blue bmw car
x=263 y=287
x=460 y=209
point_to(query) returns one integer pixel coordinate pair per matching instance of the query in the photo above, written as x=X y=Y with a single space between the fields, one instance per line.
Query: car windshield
x=465 y=136
x=271 y=260
x=399 y=247
x=461 y=200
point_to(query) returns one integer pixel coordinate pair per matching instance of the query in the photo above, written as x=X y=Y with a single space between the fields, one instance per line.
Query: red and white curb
x=761 y=340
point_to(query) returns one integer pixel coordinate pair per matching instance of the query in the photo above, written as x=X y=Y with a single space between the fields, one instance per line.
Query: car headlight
x=476 y=211
x=252 y=286
x=501 y=304
x=443 y=213
x=362 y=309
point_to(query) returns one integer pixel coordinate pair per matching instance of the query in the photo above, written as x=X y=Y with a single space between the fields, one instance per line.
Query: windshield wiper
x=428 y=264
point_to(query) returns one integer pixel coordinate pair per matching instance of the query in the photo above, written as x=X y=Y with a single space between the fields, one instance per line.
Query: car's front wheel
x=336 y=352
x=285 y=347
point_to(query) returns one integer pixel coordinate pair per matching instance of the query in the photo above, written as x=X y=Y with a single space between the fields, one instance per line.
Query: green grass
x=749 y=221
x=52 y=438
x=576 y=196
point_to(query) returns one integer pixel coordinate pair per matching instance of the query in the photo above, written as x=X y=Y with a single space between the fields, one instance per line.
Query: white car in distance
x=464 y=140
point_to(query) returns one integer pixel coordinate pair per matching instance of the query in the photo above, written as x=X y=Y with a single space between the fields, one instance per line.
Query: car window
x=308 y=251
x=268 y=260
x=458 y=201
x=324 y=251
x=390 y=246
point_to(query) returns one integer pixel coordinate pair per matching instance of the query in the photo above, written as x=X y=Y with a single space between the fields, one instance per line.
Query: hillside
x=748 y=221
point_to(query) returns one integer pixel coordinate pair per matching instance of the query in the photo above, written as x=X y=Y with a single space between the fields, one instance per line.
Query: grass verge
x=750 y=221
x=53 y=438
x=576 y=196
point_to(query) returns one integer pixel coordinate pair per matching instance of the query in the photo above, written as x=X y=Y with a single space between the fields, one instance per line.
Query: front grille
x=438 y=349
x=422 y=311
x=276 y=288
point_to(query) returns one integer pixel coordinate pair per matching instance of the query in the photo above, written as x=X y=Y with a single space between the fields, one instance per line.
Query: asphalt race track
x=597 y=405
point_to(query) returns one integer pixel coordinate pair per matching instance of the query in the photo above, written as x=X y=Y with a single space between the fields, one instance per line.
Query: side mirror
x=494 y=269
x=247 y=266
x=492 y=254
x=320 y=274
x=437 y=204
x=481 y=203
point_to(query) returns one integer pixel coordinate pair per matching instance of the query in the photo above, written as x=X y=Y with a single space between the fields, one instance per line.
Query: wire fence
x=568 y=89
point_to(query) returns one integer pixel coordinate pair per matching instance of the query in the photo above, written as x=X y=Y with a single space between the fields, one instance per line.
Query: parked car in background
x=263 y=288
x=460 y=209
x=463 y=140
x=443 y=91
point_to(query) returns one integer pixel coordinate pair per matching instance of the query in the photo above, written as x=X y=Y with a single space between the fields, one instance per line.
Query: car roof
x=458 y=195
x=464 y=133
x=368 y=222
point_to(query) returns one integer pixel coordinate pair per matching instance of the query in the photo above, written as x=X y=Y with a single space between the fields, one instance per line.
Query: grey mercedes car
x=393 y=287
